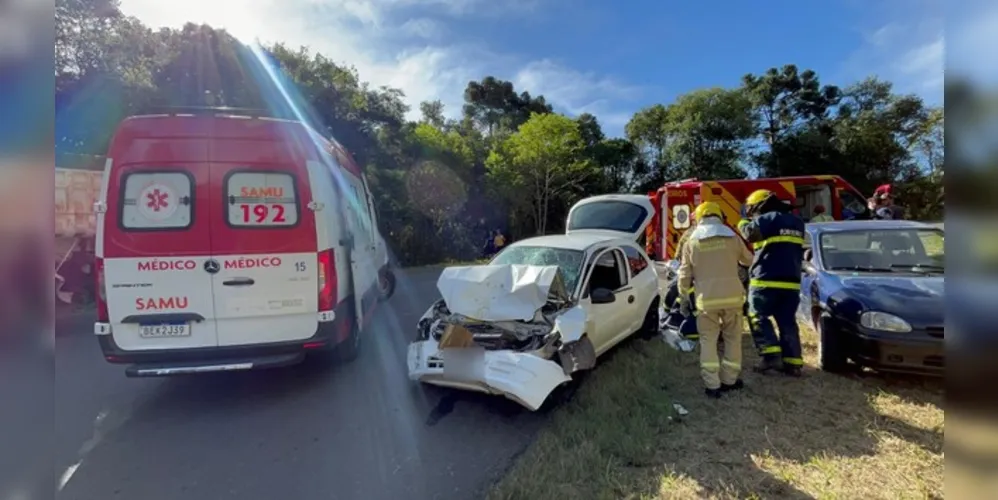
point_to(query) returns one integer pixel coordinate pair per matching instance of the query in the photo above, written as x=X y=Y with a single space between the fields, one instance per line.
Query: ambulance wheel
x=831 y=353
x=386 y=285
x=349 y=349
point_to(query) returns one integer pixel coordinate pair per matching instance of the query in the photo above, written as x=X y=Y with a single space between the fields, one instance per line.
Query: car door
x=808 y=279
x=643 y=280
x=155 y=248
x=608 y=323
x=265 y=248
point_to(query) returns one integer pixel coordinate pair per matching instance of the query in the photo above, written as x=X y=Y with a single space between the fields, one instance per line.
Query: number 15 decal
x=300 y=266
x=262 y=214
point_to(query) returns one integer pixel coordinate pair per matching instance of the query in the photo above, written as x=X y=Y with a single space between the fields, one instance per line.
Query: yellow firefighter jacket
x=711 y=257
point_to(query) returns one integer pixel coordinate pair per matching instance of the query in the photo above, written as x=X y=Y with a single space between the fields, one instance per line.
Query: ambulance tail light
x=328 y=284
x=102 y=314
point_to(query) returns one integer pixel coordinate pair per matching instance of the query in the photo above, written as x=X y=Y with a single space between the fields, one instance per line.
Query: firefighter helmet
x=758 y=196
x=707 y=209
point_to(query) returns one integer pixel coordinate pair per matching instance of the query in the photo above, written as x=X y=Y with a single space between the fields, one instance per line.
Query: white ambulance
x=231 y=242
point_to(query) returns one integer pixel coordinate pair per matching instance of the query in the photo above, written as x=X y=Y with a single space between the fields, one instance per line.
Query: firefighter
x=774 y=281
x=711 y=258
x=688 y=324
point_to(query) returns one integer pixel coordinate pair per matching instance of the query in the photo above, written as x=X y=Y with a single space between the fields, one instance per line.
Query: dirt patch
x=821 y=436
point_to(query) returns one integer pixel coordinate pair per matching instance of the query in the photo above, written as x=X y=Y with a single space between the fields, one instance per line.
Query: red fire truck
x=674 y=203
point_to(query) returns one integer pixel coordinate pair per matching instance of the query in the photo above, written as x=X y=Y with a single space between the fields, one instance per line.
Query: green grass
x=821 y=436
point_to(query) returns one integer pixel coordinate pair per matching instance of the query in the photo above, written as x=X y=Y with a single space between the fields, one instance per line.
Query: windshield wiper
x=869 y=269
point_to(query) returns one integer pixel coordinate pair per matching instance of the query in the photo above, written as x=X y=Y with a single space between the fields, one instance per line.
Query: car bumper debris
x=503 y=330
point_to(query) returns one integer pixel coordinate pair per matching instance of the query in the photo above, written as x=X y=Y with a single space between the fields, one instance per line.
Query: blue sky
x=604 y=57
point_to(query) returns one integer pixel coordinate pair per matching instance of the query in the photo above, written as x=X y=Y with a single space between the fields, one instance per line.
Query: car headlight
x=884 y=322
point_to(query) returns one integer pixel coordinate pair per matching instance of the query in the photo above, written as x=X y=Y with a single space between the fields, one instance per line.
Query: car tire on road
x=832 y=356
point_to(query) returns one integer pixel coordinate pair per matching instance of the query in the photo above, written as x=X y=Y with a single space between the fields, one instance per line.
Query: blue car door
x=808 y=276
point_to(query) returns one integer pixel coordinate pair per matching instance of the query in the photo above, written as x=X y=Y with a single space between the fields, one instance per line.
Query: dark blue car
x=873 y=290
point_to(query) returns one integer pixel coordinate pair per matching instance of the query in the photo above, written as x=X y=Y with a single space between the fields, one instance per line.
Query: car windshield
x=884 y=250
x=568 y=261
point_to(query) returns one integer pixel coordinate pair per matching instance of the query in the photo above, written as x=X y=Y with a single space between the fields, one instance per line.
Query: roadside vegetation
x=822 y=436
x=443 y=178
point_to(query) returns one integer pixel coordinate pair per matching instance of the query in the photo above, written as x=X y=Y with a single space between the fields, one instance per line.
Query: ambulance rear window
x=156 y=201
x=258 y=199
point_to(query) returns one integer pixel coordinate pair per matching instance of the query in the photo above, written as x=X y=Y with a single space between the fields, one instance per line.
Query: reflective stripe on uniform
x=793 y=361
x=720 y=303
x=742 y=223
x=778 y=239
x=732 y=364
x=774 y=284
x=774 y=349
x=710 y=366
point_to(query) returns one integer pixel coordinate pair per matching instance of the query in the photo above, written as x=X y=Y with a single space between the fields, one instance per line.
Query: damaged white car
x=544 y=308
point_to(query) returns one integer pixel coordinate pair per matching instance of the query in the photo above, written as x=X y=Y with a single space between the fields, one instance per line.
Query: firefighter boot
x=791 y=370
x=713 y=393
x=769 y=365
x=733 y=387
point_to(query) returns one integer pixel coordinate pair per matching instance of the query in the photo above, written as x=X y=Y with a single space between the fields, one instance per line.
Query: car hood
x=917 y=299
x=501 y=292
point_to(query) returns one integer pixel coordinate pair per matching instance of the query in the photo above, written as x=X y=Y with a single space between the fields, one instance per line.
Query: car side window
x=608 y=271
x=635 y=260
x=851 y=203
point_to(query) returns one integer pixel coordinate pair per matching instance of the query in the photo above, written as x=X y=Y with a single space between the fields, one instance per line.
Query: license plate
x=157 y=331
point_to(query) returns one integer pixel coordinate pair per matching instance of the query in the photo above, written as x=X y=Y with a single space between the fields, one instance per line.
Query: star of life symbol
x=157 y=202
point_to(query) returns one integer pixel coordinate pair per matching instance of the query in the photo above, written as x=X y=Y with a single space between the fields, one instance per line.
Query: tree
x=509 y=161
x=875 y=133
x=620 y=164
x=494 y=105
x=708 y=129
x=433 y=113
x=931 y=140
x=543 y=161
x=590 y=130
x=790 y=108
x=647 y=129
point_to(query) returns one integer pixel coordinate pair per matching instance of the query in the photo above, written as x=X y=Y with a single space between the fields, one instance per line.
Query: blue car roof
x=868 y=225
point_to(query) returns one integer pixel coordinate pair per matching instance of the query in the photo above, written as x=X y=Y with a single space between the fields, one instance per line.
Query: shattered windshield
x=568 y=261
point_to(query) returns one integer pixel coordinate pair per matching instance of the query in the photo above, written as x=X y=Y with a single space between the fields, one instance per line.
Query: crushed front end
x=506 y=330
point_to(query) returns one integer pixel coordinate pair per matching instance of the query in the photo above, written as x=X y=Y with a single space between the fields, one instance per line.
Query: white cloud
x=423 y=28
x=576 y=92
x=909 y=53
x=925 y=38
x=365 y=34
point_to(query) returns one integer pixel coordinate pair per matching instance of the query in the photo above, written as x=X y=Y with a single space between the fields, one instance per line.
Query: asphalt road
x=358 y=431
